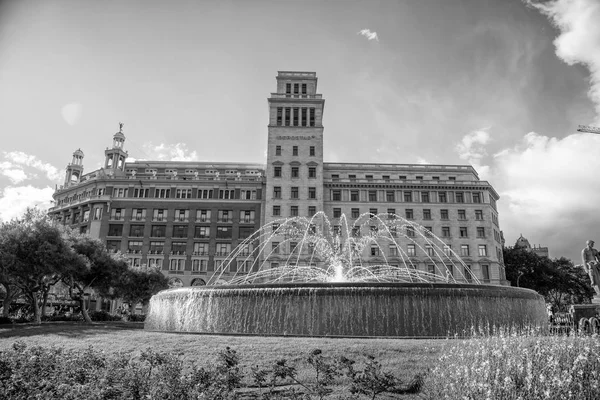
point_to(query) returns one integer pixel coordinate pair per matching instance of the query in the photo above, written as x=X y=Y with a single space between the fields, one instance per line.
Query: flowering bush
x=518 y=366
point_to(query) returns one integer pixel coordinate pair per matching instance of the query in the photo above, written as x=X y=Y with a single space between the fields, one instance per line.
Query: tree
x=139 y=284
x=11 y=290
x=91 y=267
x=559 y=281
x=37 y=255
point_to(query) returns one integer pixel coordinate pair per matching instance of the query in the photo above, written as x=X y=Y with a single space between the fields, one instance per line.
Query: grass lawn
x=401 y=357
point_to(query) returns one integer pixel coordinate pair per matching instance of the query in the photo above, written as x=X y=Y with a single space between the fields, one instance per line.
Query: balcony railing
x=296 y=96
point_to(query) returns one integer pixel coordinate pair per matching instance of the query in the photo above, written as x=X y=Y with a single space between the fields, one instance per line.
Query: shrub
x=100 y=316
x=137 y=317
x=518 y=367
x=63 y=318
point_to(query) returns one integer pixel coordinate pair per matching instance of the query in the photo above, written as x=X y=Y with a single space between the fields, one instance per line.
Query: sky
x=501 y=85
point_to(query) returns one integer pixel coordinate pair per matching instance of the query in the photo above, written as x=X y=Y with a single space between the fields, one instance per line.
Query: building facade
x=187 y=217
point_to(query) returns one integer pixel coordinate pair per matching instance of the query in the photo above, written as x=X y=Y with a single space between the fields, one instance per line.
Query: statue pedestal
x=596 y=300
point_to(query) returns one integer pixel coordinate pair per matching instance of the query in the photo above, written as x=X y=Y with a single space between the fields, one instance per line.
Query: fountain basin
x=345 y=309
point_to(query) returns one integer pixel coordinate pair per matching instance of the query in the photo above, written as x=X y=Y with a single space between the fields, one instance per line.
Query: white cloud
x=14 y=200
x=368 y=34
x=20 y=158
x=170 y=152
x=421 y=160
x=579 y=40
x=472 y=148
x=550 y=191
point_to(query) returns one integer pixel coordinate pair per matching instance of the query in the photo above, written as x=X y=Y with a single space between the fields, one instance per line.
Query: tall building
x=187 y=217
x=523 y=244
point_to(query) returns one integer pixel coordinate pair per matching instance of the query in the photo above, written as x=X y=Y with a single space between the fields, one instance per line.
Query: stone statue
x=121 y=127
x=591 y=263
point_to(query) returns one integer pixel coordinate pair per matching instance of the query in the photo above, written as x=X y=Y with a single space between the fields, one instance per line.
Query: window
x=86 y=215
x=176 y=264
x=374 y=250
x=335 y=177
x=157 y=247
x=426 y=213
x=373 y=212
x=247 y=216
x=408 y=213
x=199 y=265
x=464 y=250
x=178 y=247
x=293 y=211
x=443 y=214
x=202 y=215
x=442 y=197
x=115 y=230
x=482 y=250
x=227 y=194
x=277 y=172
x=180 y=231
x=485 y=273
x=393 y=250
x=389 y=196
x=120 y=192
x=369 y=177
x=452 y=178
x=183 y=193
x=462 y=214
x=476 y=198
x=312 y=210
x=411 y=250
x=276 y=211
x=182 y=215
x=448 y=250
x=223 y=249
x=295 y=172
x=354 y=195
x=141 y=193
x=158 y=231
x=160 y=214
x=296 y=112
x=463 y=232
x=294 y=150
x=136 y=230
x=205 y=193
x=480 y=232
x=355 y=231
x=391 y=213
x=429 y=250
x=248 y=194
x=312 y=116
x=419 y=177
x=450 y=270
x=288 y=111
x=117 y=214
x=336 y=195
x=97 y=213
x=225 y=216
x=408 y=197
x=276 y=192
x=200 y=249
x=386 y=178
x=202 y=232
x=428 y=231
x=337 y=230
x=460 y=197
x=337 y=212
x=431 y=268
x=372 y=195
x=245 y=232
x=275 y=247
x=402 y=177
x=138 y=214
x=294 y=247
x=113 y=246
x=410 y=231
x=425 y=197
x=294 y=192
x=277 y=150
x=479 y=215
x=311 y=151
x=446 y=231
x=275 y=227
x=312 y=172
x=312 y=193
x=224 y=232
x=162 y=193
x=279 y=116
x=304 y=117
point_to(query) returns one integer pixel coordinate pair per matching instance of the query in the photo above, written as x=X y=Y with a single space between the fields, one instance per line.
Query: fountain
x=322 y=286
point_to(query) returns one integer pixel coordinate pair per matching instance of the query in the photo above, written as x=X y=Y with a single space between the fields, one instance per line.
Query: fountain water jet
x=337 y=293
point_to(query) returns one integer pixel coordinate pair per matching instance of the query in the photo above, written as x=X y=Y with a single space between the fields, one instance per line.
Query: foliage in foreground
x=38 y=372
x=518 y=367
